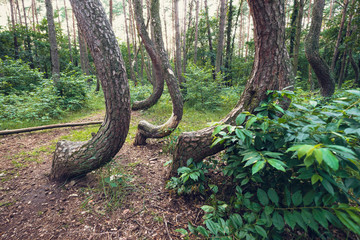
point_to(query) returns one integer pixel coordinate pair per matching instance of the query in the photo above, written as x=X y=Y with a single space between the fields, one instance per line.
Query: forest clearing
x=180 y=119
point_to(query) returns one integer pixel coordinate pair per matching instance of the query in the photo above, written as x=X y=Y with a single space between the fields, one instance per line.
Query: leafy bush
x=15 y=75
x=200 y=90
x=294 y=169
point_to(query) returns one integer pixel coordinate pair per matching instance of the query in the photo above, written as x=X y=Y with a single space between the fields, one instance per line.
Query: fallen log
x=32 y=129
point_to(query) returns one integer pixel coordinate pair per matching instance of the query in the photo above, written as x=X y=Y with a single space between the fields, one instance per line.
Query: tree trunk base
x=63 y=167
x=140 y=140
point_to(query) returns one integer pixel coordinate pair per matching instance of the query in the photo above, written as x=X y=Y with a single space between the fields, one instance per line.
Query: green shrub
x=296 y=169
x=15 y=76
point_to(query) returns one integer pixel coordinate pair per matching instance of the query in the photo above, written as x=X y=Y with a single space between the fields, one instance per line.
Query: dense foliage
x=294 y=169
x=26 y=96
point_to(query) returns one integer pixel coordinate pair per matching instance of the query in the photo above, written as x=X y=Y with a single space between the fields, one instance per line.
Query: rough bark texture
x=220 y=45
x=55 y=64
x=321 y=69
x=158 y=85
x=145 y=129
x=298 y=35
x=74 y=159
x=271 y=71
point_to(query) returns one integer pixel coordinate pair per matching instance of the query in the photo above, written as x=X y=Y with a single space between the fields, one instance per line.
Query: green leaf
x=240 y=134
x=260 y=231
x=236 y=220
x=309 y=197
x=304 y=149
x=354 y=227
x=250 y=122
x=316 y=178
x=320 y=216
x=182 y=231
x=297 y=198
x=330 y=159
x=203 y=231
x=268 y=210
x=273 y=196
x=257 y=167
x=299 y=220
x=279 y=165
x=287 y=196
x=207 y=208
x=262 y=196
x=290 y=219
x=217 y=141
x=328 y=186
x=212 y=226
x=218 y=129
x=278 y=221
x=240 y=119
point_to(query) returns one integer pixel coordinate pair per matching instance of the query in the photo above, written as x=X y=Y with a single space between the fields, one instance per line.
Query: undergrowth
x=284 y=172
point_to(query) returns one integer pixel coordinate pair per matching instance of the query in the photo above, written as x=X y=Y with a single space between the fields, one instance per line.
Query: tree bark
x=84 y=58
x=132 y=74
x=220 y=45
x=145 y=129
x=228 y=43
x=212 y=57
x=150 y=47
x=298 y=35
x=28 y=40
x=72 y=159
x=338 y=40
x=55 y=64
x=16 y=44
x=271 y=71
x=68 y=33
x=321 y=69
x=177 y=42
x=196 y=30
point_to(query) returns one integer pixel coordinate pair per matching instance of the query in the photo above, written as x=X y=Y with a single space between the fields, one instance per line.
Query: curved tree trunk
x=145 y=129
x=271 y=71
x=321 y=69
x=72 y=159
x=158 y=85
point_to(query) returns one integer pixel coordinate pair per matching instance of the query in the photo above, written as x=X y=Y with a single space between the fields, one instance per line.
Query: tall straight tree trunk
x=271 y=71
x=19 y=12
x=338 y=40
x=321 y=69
x=177 y=42
x=28 y=40
x=84 y=58
x=163 y=68
x=184 y=62
x=298 y=35
x=228 y=42
x=196 y=30
x=293 y=22
x=68 y=33
x=74 y=34
x=72 y=159
x=248 y=36
x=220 y=45
x=132 y=74
x=33 y=14
x=58 y=10
x=16 y=45
x=212 y=57
x=133 y=34
x=55 y=64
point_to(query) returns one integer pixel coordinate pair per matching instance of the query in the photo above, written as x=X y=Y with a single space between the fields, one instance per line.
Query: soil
x=32 y=207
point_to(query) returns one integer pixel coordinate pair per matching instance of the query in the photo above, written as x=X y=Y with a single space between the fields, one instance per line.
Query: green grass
x=95 y=105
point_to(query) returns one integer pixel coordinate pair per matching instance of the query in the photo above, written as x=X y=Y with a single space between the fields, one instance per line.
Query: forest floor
x=32 y=207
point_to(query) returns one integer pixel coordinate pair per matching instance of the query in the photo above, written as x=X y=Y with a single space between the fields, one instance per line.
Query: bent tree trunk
x=321 y=69
x=158 y=85
x=145 y=129
x=72 y=159
x=271 y=71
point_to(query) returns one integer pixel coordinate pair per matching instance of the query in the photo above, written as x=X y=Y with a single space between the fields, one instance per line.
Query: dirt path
x=32 y=207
